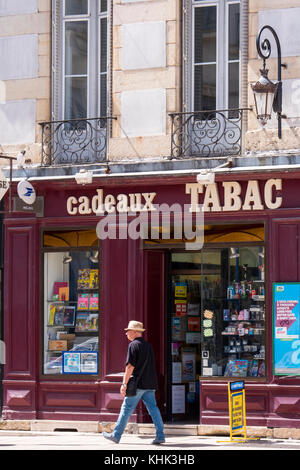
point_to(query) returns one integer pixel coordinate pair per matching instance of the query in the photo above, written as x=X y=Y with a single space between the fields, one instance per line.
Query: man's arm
x=128 y=373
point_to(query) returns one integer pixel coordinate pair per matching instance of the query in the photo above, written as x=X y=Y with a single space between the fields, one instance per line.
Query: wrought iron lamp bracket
x=263 y=47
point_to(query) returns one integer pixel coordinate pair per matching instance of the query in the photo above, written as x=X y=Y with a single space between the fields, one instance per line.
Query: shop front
x=100 y=255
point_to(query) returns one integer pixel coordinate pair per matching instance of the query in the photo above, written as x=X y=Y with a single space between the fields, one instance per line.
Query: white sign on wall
x=4 y=185
x=26 y=192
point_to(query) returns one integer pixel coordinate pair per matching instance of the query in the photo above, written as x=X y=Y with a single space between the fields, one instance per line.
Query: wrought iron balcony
x=207 y=133
x=75 y=141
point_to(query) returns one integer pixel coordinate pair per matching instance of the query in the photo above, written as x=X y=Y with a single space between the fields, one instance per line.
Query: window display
x=71 y=312
x=218 y=316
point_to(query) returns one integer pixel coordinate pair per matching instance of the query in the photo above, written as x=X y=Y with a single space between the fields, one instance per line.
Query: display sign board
x=286 y=328
x=237 y=411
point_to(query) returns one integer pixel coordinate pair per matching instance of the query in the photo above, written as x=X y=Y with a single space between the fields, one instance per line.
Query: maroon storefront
x=207 y=312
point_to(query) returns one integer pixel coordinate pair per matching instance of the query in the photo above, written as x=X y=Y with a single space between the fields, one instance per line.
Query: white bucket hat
x=135 y=326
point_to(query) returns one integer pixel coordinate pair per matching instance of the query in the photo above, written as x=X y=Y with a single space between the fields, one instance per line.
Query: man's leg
x=128 y=406
x=148 y=398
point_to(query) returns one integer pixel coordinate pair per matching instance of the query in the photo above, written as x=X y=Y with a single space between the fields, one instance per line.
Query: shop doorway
x=216 y=322
x=214 y=313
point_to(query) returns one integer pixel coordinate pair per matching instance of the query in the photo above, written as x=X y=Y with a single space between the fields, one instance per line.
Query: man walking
x=140 y=363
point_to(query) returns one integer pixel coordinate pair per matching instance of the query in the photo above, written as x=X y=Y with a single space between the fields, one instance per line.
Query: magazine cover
x=69 y=316
x=52 y=309
x=83 y=302
x=92 y=322
x=240 y=368
x=93 y=279
x=81 y=321
x=59 y=315
x=94 y=301
x=83 y=281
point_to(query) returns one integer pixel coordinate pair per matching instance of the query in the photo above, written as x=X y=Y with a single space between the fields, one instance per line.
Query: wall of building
x=25 y=74
x=283 y=17
x=146 y=72
x=146 y=79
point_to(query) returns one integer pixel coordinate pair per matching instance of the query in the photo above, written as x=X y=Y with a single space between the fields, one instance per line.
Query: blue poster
x=286 y=328
x=80 y=362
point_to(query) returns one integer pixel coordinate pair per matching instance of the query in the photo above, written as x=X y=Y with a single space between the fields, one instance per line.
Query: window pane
x=75 y=98
x=205 y=87
x=233 y=85
x=76 y=7
x=103 y=98
x=103 y=5
x=205 y=34
x=71 y=311
x=103 y=45
x=234 y=32
x=76 y=44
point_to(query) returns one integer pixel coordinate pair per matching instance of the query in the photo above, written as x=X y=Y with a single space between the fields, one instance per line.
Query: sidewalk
x=143 y=430
x=131 y=444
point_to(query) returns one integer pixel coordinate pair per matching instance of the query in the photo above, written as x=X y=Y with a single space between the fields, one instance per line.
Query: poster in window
x=286 y=328
x=188 y=367
x=71 y=362
x=80 y=362
x=178 y=399
x=89 y=362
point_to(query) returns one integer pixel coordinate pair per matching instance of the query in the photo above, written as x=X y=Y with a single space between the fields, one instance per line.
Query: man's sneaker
x=157 y=441
x=110 y=437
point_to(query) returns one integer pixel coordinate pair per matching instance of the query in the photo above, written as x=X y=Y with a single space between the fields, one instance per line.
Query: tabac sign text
x=202 y=198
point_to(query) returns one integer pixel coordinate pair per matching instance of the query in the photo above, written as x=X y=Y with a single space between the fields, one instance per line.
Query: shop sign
x=4 y=185
x=286 y=328
x=253 y=199
x=26 y=192
x=135 y=202
x=233 y=200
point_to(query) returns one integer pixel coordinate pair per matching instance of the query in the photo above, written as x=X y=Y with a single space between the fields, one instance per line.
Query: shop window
x=217 y=326
x=71 y=303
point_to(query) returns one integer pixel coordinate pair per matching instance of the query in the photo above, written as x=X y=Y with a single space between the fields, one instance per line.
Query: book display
x=71 y=314
x=218 y=317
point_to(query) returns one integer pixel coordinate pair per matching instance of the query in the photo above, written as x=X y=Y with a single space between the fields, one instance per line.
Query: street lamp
x=268 y=94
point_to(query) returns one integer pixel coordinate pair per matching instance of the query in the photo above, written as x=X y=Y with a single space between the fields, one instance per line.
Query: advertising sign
x=237 y=411
x=80 y=362
x=286 y=328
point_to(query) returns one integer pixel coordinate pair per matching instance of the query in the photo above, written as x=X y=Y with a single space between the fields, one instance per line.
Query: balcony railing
x=75 y=141
x=207 y=133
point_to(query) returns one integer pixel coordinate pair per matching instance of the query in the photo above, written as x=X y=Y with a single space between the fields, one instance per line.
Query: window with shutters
x=77 y=133
x=215 y=55
x=211 y=122
x=79 y=59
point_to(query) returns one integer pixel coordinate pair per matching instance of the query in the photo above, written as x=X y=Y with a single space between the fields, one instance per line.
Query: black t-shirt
x=138 y=352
